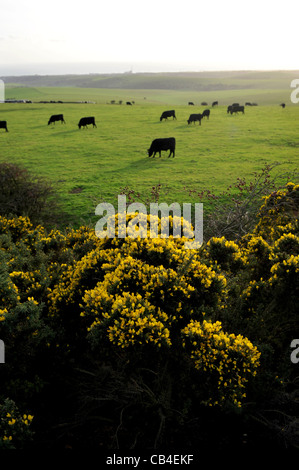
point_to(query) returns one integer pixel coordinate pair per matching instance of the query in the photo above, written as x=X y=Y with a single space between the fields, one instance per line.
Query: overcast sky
x=61 y=36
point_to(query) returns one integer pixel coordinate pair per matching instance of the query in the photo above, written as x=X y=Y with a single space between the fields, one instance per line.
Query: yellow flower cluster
x=139 y=292
x=26 y=282
x=161 y=295
x=132 y=320
x=140 y=225
x=224 y=252
x=229 y=358
x=279 y=213
x=26 y=419
x=288 y=269
x=283 y=269
x=71 y=281
x=287 y=244
x=3 y=312
x=258 y=246
x=17 y=226
x=14 y=426
x=10 y=295
x=54 y=240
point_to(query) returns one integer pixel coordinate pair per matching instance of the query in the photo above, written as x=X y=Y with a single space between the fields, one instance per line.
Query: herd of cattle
x=85 y=121
x=157 y=145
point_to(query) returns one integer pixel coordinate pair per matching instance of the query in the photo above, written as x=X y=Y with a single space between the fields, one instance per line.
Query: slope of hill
x=197 y=81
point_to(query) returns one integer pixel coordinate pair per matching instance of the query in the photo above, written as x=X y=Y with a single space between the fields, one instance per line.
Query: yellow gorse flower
x=231 y=357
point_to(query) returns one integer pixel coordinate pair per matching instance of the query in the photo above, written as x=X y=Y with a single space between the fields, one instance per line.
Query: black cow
x=236 y=109
x=204 y=103
x=191 y=103
x=215 y=103
x=283 y=105
x=56 y=117
x=85 y=121
x=206 y=113
x=158 y=145
x=129 y=103
x=167 y=114
x=195 y=117
x=3 y=125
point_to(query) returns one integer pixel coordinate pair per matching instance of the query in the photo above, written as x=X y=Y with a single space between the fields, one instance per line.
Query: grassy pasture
x=89 y=166
x=273 y=96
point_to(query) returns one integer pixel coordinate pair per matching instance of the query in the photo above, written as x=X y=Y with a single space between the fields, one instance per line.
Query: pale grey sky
x=157 y=35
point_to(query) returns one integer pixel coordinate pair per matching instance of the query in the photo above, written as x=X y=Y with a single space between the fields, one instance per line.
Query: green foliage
x=145 y=335
x=15 y=427
x=91 y=166
x=25 y=195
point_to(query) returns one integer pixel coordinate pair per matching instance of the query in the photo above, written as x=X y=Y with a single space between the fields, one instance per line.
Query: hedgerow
x=147 y=336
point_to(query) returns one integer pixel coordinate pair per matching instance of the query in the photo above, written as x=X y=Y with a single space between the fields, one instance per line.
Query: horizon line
x=131 y=72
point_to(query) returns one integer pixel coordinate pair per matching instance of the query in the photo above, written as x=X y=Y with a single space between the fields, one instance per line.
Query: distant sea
x=98 y=68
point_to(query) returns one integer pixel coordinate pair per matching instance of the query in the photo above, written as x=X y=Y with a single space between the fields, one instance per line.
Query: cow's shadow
x=43 y=126
x=147 y=162
x=64 y=132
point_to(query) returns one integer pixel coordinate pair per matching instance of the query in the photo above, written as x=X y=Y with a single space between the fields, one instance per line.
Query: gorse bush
x=15 y=427
x=225 y=359
x=279 y=213
x=141 y=333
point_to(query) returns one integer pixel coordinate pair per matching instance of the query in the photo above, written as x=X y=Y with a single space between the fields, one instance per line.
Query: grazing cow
x=158 y=145
x=204 y=103
x=3 y=125
x=236 y=109
x=215 y=103
x=167 y=114
x=129 y=103
x=85 y=121
x=206 y=113
x=195 y=117
x=56 y=117
x=191 y=103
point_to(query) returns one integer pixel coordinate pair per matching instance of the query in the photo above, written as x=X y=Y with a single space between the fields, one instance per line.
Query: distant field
x=89 y=166
x=269 y=87
x=151 y=96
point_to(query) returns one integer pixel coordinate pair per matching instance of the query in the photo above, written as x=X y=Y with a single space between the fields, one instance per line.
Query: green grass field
x=89 y=166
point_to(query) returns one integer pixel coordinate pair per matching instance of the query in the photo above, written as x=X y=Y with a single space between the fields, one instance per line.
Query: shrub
x=23 y=194
x=223 y=360
x=163 y=335
x=279 y=213
x=15 y=426
x=224 y=253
